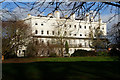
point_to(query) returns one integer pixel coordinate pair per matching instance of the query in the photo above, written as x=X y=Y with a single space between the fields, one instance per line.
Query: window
x=42 y=32
x=42 y=42
x=48 y=42
x=85 y=27
x=58 y=32
x=70 y=26
x=36 y=23
x=80 y=34
x=36 y=32
x=74 y=34
x=51 y=16
x=65 y=25
x=89 y=27
x=19 y=51
x=102 y=28
x=65 y=33
x=85 y=44
x=70 y=34
x=95 y=35
x=75 y=26
x=85 y=34
x=80 y=26
x=53 y=32
x=23 y=51
x=36 y=42
x=41 y=24
x=80 y=45
x=47 y=32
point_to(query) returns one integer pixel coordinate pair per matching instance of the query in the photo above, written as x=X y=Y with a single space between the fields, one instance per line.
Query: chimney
x=92 y=20
x=49 y=15
x=72 y=16
x=57 y=14
x=29 y=15
x=100 y=20
x=66 y=16
x=87 y=17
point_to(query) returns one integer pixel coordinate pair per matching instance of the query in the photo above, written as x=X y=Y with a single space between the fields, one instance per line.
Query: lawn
x=75 y=68
x=59 y=59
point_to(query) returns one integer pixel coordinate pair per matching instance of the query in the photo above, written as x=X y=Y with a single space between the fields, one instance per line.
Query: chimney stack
x=57 y=14
x=29 y=15
x=87 y=17
x=72 y=16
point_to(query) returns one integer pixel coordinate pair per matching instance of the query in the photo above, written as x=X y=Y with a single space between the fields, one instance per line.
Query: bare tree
x=15 y=34
x=62 y=31
x=114 y=35
x=97 y=39
x=65 y=7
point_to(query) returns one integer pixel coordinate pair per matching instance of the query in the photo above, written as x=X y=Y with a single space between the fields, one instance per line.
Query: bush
x=102 y=52
x=9 y=55
x=52 y=55
x=114 y=52
x=83 y=53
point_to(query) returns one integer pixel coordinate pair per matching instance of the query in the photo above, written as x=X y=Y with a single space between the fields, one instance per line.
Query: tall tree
x=66 y=47
x=97 y=39
x=62 y=31
x=114 y=35
x=15 y=34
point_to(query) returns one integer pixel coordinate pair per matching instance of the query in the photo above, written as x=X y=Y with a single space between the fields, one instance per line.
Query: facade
x=74 y=31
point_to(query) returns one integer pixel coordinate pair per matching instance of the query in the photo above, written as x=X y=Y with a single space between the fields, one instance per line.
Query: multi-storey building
x=74 y=31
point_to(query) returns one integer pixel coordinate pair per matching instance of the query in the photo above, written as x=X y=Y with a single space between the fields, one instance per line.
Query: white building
x=74 y=30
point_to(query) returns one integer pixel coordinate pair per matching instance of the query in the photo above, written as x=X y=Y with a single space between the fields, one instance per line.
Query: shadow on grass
x=61 y=71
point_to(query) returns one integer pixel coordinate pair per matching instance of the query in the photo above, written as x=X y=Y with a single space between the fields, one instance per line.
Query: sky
x=105 y=14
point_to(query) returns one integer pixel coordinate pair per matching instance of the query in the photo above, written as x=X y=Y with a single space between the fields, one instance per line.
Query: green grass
x=62 y=59
x=73 y=59
x=74 y=68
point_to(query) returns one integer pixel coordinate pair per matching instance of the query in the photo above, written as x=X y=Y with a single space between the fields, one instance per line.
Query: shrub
x=66 y=47
x=52 y=55
x=114 y=52
x=10 y=55
x=102 y=52
x=83 y=53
